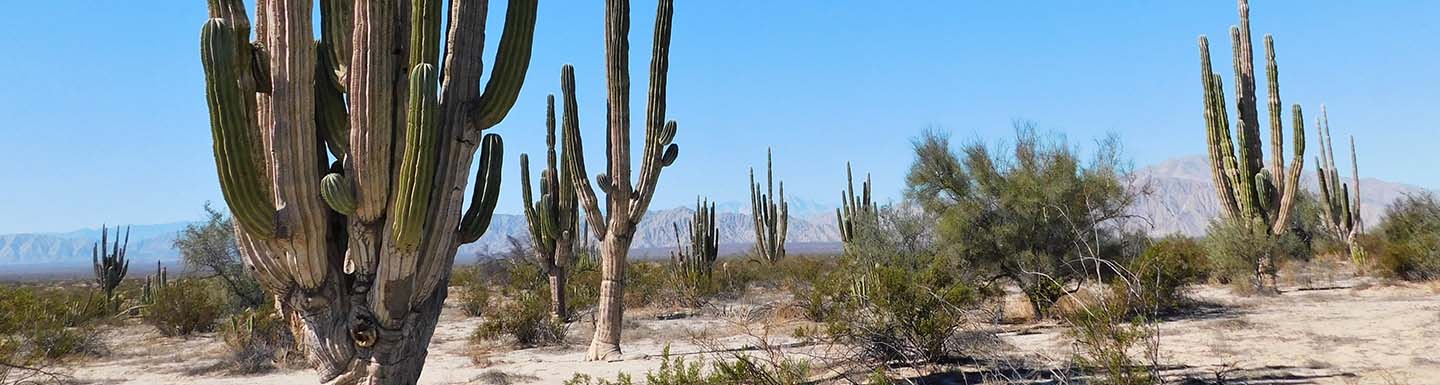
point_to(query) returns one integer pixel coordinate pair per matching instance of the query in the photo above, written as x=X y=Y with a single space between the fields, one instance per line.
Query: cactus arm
x=239 y=149
x=1355 y=179
x=417 y=168
x=339 y=193
x=574 y=150
x=1292 y=177
x=373 y=121
x=331 y=118
x=659 y=151
x=337 y=22
x=1217 y=129
x=487 y=190
x=1277 y=130
x=425 y=32
x=512 y=61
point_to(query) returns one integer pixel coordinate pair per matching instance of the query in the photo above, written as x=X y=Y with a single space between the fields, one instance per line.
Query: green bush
x=901 y=314
x=1407 y=242
x=38 y=327
x=741 y=369
x=185 y=307
x=1239 y=254
x=1107 y=336
x=527 y=319
x=256 y=340
x=1158 y=276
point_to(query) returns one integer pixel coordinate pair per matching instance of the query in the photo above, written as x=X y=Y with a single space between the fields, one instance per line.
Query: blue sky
x=102 y=117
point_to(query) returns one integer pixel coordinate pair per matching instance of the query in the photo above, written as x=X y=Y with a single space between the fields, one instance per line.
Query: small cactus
x=770 y=217
x=695 y=257
x=110 y=263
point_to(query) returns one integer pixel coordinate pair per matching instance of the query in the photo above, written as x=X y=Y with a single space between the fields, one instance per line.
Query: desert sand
x=1348 y=331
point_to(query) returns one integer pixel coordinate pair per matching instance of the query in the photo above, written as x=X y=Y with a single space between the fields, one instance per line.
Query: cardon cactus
x=1340 y=204
x=1258 y=197
x=770 y=218
x=855 y=212
x=554 y=218
x=625 y=200
x=154 y=284
x=110 y=263
x=359 y=252
x=699 y=245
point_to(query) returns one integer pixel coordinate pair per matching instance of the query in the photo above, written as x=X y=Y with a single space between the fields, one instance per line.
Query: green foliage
x=1161 y=273
x=209 y=248
x=523 y=312
x=1028 y=213
x=898 y=313
x=1245 y=255
x=40 y=326
x=1107 y=335
x=185 y=307
x=740 y=369
x=1408 y=239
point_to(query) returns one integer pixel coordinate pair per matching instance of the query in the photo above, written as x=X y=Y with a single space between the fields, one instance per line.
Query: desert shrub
x=1239 y=253
x=1107 y=333
x=526 y=318
x=39 y=326
x=474 y=299
x=894 y=313
x=1407 y=242
x=645 y=285
x=256 y=340
x=186 y=306
x=1029 y=212
x=1161 y=273
x=209 y=249
x=740 y=369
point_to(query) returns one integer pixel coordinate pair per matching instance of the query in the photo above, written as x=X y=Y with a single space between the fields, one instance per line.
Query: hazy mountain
x=148 y=243
x=1183 y=197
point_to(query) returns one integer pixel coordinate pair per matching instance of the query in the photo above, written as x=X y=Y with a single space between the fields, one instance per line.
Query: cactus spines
x=109 y=260
x=1340 y=204
x=770 y=218
x=855 y=212
x=553 y=218
x=625 y=202
x=1261 y=199
x=694 y=258
x=359 y=251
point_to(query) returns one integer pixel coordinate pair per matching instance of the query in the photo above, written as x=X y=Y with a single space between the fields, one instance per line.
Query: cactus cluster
x=1340 y=204
x=373 y=235
x=154 y=284
x=770 y=218
x=855 y=212
x=1261 y=198
x=625 y=200
x=697 y=247
x=554 y=218
x=110 y=263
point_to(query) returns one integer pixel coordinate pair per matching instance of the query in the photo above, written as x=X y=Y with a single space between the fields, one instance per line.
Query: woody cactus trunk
x=770 y=217
x=359 y=251
x=1261 y=198
x=110 y=263
x=855 y=212
x=1340 y=204
x=554 y=217
x=625 y=203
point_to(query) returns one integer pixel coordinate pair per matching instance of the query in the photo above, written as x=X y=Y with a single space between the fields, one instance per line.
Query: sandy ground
x=1350 y=331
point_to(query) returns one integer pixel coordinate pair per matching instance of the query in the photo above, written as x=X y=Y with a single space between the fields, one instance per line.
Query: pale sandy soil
x=1358 y=332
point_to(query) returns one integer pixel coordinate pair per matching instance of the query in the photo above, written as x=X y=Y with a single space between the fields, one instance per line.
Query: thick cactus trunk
x=356 y=244
x=625 y=200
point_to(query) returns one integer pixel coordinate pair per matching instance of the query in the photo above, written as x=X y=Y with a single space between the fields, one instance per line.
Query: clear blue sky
x=102 y=117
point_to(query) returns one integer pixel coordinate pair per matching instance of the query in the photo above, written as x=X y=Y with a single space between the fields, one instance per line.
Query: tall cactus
x=770 y=218
x=554 y=218
x=1258 y=197
x=625 y=203
x=699 y=246
x=110 y=263
x=1340 y=204
x=855 y=212
x=359 y=252
x=154 y=284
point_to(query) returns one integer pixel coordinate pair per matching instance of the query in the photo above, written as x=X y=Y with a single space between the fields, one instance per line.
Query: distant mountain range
x=1183 y=198
x=1183 y=201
